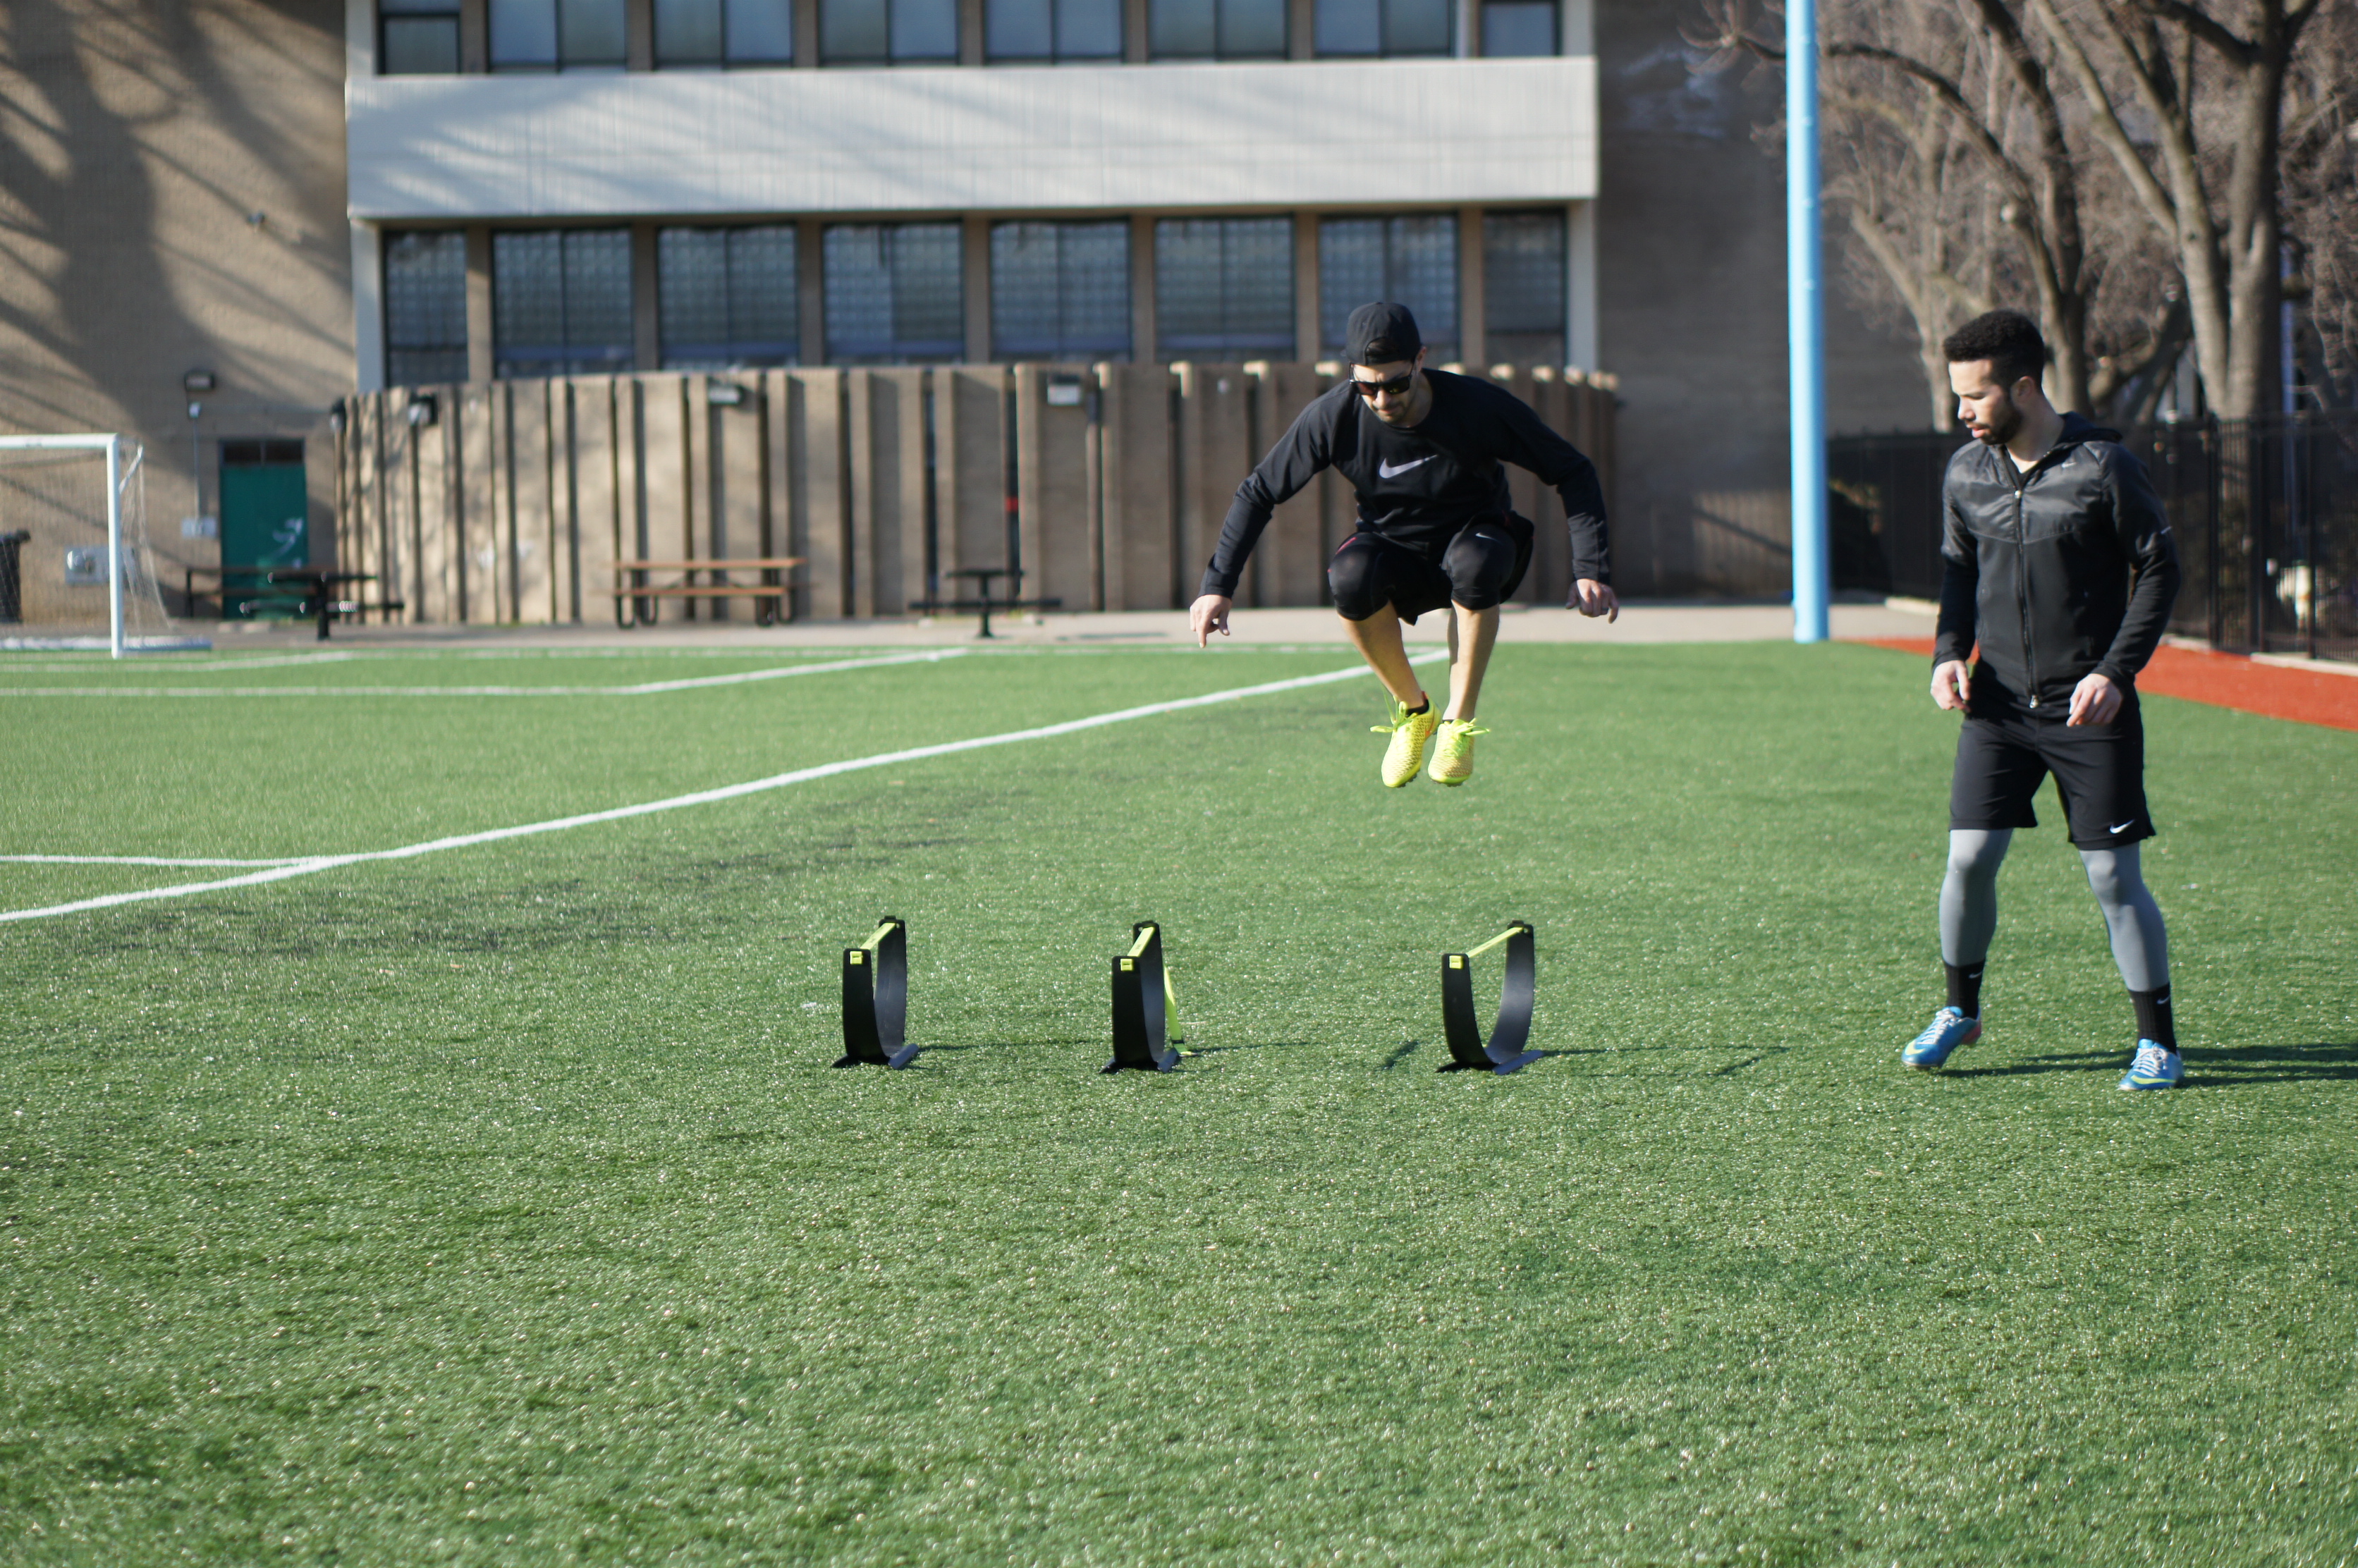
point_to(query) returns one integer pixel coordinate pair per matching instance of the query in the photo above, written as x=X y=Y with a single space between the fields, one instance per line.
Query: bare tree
x=1921 y=205
x=2212 y=183
x=1998 y=100
x=2124 y=273
x=2320 y=197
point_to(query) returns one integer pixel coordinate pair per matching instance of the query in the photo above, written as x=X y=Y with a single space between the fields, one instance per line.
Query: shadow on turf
x=1407 y=1048
x=1194 y=1050
x=2215 y=1067
x=1040 y=1042
x=2232 y=1066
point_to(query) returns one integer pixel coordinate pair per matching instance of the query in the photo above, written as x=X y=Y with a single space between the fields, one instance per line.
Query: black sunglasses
x=1371 y=390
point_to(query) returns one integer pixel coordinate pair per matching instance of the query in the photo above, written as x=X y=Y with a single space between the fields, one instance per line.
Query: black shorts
x=2005 y=750
x=1479 y=566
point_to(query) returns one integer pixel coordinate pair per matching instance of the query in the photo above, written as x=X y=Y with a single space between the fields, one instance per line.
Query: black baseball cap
x=1379 y=334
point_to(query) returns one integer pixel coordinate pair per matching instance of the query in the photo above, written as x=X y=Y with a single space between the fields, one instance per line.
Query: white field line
x=145 y=860
x=701 y=797
x=646 y=688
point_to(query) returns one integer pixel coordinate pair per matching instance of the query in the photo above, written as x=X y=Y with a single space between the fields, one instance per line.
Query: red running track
x=2227 y=680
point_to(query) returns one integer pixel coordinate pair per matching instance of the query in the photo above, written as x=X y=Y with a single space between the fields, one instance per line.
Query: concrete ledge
x=953 y=139
x=1647 y=621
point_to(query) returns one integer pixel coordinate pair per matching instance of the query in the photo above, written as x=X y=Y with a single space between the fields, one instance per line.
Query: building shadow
x=2212 y=1067
x=2234 y=1066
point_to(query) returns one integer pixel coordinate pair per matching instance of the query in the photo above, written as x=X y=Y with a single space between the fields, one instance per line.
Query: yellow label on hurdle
x=854 y=957
x=1457 y=960
x=1128 y=965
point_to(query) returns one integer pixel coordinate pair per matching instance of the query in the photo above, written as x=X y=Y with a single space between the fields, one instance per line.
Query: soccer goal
x=74 y=555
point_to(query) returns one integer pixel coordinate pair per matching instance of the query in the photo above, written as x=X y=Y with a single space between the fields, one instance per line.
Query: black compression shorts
x=1479 y=566
x=2006 y=749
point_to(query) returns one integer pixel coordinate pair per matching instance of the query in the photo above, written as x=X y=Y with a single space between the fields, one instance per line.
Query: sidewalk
x=1659 y=622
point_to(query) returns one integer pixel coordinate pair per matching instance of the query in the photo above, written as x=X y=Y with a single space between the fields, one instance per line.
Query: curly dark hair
x=2007 y=338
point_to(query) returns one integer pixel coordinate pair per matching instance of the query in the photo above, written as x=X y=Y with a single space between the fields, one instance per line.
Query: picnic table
x=634 y=600
x=982 y=577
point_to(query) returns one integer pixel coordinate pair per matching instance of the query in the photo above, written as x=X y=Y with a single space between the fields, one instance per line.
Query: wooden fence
x=508 y=502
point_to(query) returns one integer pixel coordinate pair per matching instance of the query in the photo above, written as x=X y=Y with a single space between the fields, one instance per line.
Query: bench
x=982 y=576
x=294 y=592
x=633 y=601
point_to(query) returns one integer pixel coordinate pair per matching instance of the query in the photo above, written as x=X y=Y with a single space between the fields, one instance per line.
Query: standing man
x=1422 y=447
x=2057 y=557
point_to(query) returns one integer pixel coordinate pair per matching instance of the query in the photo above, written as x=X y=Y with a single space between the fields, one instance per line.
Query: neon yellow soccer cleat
x=1453 y=752
x=1411 y=732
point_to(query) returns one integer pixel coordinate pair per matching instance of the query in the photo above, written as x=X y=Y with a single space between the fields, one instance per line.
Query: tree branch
x=2106 y=123
x=2204 y=25
x=1953 y=101
x=2189 y=206
x=1731 y=35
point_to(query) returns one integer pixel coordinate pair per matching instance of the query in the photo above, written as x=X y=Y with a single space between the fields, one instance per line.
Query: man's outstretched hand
x=1208 y=615
x=1593 y=597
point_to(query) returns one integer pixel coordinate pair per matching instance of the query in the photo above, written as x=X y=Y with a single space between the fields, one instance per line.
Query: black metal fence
x=2265 y=513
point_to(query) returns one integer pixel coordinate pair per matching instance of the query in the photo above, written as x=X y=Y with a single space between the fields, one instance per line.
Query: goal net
x=76 y=570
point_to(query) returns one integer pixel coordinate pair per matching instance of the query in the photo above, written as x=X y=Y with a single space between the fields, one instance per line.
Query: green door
x=265 y=522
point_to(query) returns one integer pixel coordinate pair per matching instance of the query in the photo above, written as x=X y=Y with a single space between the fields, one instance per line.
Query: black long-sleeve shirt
x=2063 y=570
x=1421 y=485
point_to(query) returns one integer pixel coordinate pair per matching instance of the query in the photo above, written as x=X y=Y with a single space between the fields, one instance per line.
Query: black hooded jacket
x=2063 y=571
x=1421 y=485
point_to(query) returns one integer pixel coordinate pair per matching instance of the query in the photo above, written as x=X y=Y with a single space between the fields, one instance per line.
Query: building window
x=1060 y=291
x=1412 y=261
x=425 y=307
x=1523 y=288
x=557 y=35
x=895 y=293
x=1052 y=29
x=725 y=297
x=1384 y=27
x=724 y=32
x=1224 y=288
x=562 y=302
x=881 y=32
x=1216 y=29
x=1519 y=28
x=417 y=37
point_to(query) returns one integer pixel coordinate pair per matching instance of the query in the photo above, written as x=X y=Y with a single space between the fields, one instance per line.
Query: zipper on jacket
x=2022 y=581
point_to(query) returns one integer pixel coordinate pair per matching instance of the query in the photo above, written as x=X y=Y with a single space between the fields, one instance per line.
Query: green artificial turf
x=501 y=1205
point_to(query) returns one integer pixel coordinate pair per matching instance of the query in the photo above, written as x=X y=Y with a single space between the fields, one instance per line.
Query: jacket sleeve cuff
x=1214 y=583
x=2123 y=678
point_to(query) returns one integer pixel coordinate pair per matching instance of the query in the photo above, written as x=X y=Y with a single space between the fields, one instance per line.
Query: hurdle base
x=1166 y=1061
x=1515 y=1062
x=901 y=1058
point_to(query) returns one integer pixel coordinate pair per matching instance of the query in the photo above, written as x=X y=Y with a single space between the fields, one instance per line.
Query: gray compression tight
x=1969 y=905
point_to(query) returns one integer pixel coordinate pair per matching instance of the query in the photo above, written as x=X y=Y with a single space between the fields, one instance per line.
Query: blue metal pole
x=1805 y=323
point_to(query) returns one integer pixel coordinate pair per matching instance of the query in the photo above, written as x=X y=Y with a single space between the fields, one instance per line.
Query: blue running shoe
x=2155 y=1068
x=1949 y=1029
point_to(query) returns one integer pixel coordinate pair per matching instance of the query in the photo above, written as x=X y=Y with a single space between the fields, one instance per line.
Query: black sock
x=1965 y=987
x=1424 y=706
x=2153 y=1019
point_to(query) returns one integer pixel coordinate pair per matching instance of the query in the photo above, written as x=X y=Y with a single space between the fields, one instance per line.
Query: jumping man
x=2057 y=557
x=1421 y=449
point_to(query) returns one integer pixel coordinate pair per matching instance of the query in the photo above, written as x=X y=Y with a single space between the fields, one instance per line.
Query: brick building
x=297 y=201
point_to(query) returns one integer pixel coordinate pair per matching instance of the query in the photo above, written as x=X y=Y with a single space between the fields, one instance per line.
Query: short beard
x=2003 y=425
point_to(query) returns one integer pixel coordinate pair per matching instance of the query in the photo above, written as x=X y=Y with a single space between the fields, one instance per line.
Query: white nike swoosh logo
x=2118 y=826
x=1388 y=471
